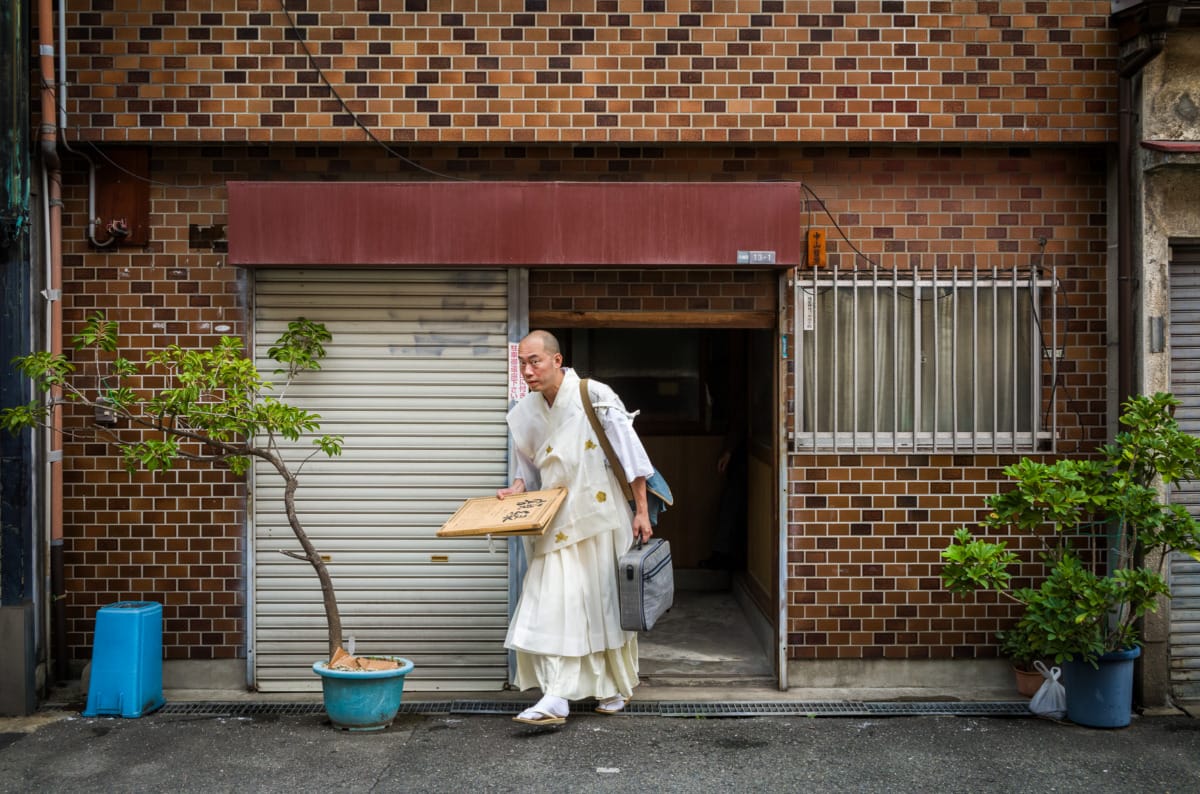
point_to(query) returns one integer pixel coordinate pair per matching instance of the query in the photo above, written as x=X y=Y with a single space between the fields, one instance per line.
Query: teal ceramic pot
x=363 y=700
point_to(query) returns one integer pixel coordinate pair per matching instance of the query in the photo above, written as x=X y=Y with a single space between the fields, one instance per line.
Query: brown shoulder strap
x=604 y=442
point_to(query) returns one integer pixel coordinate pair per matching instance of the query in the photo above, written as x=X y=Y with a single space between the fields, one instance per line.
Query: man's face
x=537 y=368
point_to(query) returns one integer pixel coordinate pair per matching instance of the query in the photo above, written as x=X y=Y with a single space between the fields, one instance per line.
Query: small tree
x=215 y=407
x=1077 y=612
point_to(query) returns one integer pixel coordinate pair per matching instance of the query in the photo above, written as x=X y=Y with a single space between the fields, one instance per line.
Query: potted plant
x=973 y=564
x=1086 y=611
x=1022 y=651
x=215 y=407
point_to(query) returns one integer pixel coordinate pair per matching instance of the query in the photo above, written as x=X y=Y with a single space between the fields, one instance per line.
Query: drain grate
x=639 y=708
x=956 y=709
x=514 y=707
x=427 y=707
x=486 y=707
x=772 y=709
x=242 y=709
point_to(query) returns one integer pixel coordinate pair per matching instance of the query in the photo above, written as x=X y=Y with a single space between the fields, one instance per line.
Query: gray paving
x=707 y=718
x=448 y=752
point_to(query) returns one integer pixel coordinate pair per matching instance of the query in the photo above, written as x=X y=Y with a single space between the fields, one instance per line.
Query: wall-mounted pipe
x=52 y=165
x=1153 y=29
x=93 y=222
x=1144 y=36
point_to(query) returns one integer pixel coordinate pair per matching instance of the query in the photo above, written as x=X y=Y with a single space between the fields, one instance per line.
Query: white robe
x=566 y=629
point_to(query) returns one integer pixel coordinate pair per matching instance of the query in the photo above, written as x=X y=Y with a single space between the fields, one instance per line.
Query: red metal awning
x=1189 y=147
x=534 y=224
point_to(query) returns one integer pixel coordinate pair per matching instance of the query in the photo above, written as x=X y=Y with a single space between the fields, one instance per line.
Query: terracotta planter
x=1028 y=681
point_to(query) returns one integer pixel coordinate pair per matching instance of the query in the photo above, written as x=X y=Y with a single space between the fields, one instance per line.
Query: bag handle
x=1050 y=674
x=613 y=461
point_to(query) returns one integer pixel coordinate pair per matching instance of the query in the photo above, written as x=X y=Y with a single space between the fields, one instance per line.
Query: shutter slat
x=416 y=381
x=1185 y=383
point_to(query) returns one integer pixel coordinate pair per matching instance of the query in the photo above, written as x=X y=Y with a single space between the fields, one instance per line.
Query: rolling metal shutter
x=416 y=381
x=1185 y=384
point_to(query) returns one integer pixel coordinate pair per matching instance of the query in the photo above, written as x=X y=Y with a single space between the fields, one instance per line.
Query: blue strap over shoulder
x=658 y=496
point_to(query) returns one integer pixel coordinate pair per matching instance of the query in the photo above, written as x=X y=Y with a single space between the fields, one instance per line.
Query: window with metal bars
x=923 y=360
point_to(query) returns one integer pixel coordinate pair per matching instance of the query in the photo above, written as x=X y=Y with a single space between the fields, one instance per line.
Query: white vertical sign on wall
x=517 y=387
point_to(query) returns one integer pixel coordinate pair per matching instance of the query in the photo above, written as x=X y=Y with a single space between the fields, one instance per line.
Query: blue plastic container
x=1101 y=698
x=363 y=700
x=126 y=660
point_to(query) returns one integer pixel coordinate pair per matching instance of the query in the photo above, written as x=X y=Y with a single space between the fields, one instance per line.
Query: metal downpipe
x=48 y=149
x=1130 y=69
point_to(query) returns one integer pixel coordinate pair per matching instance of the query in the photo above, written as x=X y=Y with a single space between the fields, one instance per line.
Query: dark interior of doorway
x=702 y=395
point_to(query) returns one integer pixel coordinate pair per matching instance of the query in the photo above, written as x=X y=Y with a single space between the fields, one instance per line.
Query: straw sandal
x=537 y=717
x=542 y=712
x=613 y=705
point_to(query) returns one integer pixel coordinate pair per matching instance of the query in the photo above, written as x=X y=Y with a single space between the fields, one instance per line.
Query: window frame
x=1032 y=283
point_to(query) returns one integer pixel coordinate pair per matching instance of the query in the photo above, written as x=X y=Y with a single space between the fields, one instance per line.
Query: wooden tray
x=528 y=513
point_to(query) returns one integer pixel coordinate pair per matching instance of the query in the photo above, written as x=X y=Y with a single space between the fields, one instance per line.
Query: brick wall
x=997 y=71
x=865 y=537
x=175 y=537
x=863 y=557
x=654 y=290
x=866 y=531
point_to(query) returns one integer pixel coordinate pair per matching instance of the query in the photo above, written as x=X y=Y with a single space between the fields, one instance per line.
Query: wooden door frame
x=776 y=321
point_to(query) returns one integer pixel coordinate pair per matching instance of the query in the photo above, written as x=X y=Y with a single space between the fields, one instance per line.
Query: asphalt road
x=631 y=753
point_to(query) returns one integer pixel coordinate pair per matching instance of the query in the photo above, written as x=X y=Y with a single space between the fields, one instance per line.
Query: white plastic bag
x=1051 y=698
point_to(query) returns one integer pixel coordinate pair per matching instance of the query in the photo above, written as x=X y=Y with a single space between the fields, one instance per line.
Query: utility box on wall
x=123 y=197
x=18 y=661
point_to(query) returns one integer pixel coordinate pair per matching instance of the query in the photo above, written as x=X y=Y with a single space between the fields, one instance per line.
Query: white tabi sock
x=549 y=704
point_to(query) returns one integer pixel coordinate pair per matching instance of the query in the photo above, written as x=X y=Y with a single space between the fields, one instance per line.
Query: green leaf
x=972 y=564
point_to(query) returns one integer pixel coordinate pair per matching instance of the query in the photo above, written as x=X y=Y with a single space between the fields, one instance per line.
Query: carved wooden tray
x=527 y=513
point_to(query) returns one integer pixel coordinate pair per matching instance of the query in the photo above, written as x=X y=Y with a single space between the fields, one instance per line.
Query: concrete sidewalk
x=224 y=750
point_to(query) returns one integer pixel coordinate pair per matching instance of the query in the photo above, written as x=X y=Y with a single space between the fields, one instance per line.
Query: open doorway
x=707 y=409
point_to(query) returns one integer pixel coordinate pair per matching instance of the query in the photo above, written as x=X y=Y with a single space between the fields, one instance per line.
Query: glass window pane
x=965 y=355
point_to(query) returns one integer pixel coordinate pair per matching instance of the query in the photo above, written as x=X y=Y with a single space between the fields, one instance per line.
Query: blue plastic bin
x=126 y=660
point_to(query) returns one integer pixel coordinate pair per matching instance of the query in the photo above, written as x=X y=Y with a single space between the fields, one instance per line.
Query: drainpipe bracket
x=52 y=294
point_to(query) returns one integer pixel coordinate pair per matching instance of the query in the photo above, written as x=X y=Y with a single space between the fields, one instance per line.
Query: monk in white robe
x=566 y=630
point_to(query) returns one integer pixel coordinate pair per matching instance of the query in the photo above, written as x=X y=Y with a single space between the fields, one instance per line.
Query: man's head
x=541 y=363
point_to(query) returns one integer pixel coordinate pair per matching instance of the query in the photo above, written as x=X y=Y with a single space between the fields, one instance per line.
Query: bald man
x=566 y=630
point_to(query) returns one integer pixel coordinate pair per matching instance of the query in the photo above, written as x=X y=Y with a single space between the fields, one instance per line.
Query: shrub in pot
x=1085 y=613
x=1022 y=651
x=213 y=406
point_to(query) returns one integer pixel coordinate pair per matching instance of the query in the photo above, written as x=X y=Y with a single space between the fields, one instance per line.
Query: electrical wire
x=841 y=232
x=100 y=153
x=145 y=179
x=302 y=41
x=1033 y=271
x=1059 y=375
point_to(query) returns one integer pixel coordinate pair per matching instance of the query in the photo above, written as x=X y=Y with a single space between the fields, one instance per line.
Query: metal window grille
x=924 y=360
